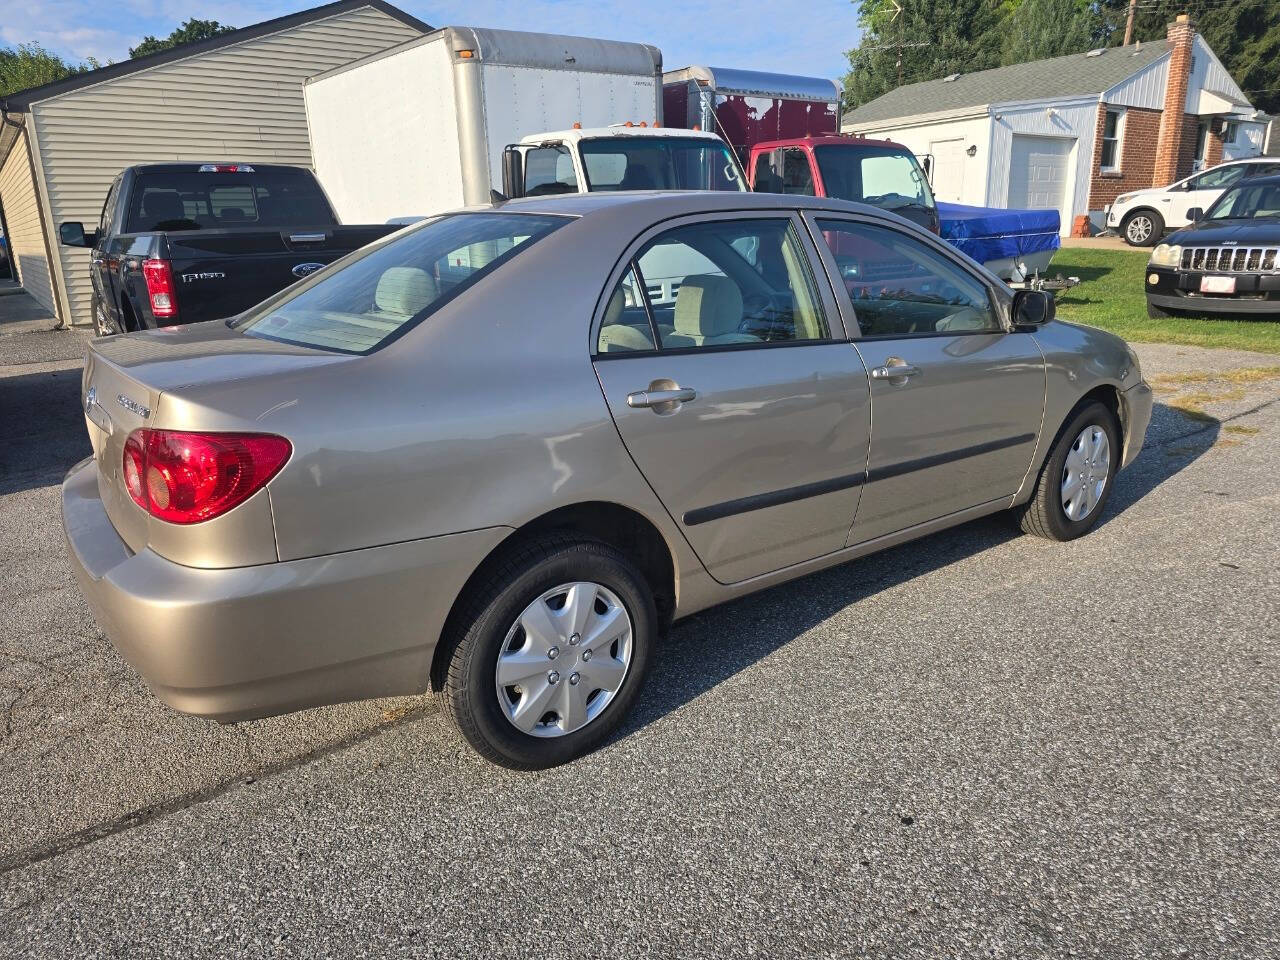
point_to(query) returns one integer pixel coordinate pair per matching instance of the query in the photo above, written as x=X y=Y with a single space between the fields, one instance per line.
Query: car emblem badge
x=133 y=406
x=306 y=269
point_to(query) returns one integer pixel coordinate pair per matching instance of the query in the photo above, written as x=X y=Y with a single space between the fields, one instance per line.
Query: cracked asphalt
x=979 y=744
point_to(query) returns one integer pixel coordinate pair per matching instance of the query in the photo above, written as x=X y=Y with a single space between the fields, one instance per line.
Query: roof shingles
x=1075 y=75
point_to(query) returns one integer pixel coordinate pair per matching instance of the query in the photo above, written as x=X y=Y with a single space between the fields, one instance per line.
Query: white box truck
x=449 y=118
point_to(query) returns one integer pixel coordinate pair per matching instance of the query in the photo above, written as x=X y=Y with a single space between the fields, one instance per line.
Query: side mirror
x=512 y=173
x=72 y=234
x=1033 y=308
x=1194 y=214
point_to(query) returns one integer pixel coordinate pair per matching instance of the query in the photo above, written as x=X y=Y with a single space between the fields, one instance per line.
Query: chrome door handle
x=654 y=398
x=894 y=372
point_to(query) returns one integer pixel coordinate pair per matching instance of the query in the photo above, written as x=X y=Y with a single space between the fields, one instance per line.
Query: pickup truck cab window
x=196 y=200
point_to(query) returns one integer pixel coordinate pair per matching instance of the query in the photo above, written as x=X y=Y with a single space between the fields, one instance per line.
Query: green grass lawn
x=1111 y=296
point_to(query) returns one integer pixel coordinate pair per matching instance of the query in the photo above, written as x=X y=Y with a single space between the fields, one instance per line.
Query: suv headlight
x=1166 y=255
x=1124 y=198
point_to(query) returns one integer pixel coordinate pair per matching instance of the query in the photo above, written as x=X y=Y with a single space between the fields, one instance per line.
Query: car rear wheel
x=1142 y=228
x=549 y=653
x=1076 y=479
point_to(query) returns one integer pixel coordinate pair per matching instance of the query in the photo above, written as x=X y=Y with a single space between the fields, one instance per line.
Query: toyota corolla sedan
x=497 y=453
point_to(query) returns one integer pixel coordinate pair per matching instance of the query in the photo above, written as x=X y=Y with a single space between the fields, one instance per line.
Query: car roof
x=660 y=204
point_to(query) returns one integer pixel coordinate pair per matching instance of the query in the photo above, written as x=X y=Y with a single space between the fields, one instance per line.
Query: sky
x=786 y=36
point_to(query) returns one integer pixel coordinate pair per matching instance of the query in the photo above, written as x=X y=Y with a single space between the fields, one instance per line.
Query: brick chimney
x=1173 y=122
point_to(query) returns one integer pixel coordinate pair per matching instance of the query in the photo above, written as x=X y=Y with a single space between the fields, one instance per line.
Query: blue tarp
x=989 y=233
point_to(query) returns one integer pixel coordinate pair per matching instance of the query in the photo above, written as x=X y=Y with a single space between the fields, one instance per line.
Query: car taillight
x=187 y=477
x=159 y=277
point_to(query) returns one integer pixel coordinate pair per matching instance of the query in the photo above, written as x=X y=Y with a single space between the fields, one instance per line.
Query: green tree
x=189 y=32
x=936 y=38
x=30 y=65
x=1040 y=29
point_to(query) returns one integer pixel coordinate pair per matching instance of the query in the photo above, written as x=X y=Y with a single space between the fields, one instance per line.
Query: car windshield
x=887 y=177
x=1257 y=201
x=659 y=163
x=213 y=200
x=361 y=304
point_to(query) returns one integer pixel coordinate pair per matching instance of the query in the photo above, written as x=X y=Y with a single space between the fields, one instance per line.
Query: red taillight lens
x=191 y=477
x=159 y=277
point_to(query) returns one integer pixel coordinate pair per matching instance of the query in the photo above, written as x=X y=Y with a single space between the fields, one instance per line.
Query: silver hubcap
x=1139 y=229
x=1086 y=472
x=564 y=659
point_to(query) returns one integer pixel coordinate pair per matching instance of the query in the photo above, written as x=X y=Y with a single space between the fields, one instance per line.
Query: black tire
x=1044 y=515
x=1140 y=221
x=489 y=611
x=1158 y=313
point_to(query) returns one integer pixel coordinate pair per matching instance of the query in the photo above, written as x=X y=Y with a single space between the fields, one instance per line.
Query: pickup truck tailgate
x=220 y=273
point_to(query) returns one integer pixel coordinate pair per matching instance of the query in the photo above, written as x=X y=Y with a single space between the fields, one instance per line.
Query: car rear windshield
x=359 y=305
x=191 y=200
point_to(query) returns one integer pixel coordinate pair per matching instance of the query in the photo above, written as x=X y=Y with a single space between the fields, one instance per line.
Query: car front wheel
x=549 y=653
x=1142 y=228
x=1075 y=482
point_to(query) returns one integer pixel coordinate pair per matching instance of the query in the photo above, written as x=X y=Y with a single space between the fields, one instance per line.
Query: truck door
x=726 y=370
x=103 y=267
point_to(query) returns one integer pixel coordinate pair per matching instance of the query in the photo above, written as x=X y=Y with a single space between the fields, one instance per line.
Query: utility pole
x=1128 y=27
x=897 y=13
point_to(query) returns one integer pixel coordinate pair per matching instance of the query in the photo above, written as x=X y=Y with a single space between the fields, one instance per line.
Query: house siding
x=1137 y=156
x=1070 y=120
x=242 y=102
x=26 y=240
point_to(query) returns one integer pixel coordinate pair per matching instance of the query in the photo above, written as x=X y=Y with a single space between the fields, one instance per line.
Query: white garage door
x=1038 y=172
x=948 y=169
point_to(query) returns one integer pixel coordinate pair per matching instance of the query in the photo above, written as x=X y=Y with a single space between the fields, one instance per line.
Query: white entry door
x=1038 y=173
x=948 y=169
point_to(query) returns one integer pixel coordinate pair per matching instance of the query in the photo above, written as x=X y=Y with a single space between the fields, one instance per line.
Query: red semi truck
x=784 y=129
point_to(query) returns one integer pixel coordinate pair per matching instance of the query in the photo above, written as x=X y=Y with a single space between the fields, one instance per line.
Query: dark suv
x=1227 y=261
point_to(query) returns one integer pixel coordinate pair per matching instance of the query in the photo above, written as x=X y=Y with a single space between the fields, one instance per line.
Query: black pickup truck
x=185 y=242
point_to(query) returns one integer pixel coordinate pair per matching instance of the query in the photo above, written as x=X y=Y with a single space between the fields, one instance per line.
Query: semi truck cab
x=877 y=172
x=628 y=156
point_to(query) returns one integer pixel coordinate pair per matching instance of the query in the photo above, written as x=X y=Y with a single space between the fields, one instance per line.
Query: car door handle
x=900 y=371
x=654 y=398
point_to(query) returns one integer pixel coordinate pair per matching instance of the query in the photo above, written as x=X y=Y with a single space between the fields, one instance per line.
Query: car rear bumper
x=1172 y=289
x=256 y=641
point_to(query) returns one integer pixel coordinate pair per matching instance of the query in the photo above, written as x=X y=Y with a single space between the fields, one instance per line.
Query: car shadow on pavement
x=42 y=432
x=710 y=647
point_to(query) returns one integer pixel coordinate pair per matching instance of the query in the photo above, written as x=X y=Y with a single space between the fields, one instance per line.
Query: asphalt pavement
x=979 y=744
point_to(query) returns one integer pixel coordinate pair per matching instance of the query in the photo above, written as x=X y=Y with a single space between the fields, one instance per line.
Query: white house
x=1071 y=133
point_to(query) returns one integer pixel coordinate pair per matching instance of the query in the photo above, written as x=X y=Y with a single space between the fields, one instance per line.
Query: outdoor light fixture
x=973 y=150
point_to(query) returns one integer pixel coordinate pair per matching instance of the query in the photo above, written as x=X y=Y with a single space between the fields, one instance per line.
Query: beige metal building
x=233 y=97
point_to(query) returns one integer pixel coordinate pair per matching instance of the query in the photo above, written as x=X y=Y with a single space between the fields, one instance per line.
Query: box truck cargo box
x=422 y=127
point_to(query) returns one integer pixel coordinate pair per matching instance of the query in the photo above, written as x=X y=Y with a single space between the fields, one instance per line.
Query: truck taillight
x=159 y=277
x=185 y=477
x=225 y=168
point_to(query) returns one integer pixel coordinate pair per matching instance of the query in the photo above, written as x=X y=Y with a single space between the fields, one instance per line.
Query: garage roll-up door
x=1038 y=172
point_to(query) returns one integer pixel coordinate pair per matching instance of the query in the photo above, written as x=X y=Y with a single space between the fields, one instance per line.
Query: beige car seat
x=616 y=336
x=708 y=311
x=405 y=291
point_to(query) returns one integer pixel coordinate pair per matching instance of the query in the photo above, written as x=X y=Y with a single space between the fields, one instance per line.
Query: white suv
x=1142 y=217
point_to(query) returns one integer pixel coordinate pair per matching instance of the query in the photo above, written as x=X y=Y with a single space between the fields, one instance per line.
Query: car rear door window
x=396 y=283
x=724 y=283
x=900 y=287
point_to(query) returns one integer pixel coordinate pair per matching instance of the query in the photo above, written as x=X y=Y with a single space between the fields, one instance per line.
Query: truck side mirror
x=512 y=173
x=1033 y=308
x=72 y=234
x=1194 y=214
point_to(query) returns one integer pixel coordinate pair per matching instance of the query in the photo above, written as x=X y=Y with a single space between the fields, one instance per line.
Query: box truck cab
x=622 y=157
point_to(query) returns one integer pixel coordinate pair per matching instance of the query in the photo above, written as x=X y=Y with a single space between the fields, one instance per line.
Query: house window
x=1112 y=133
x=1229 y=131
x=1202 y=145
